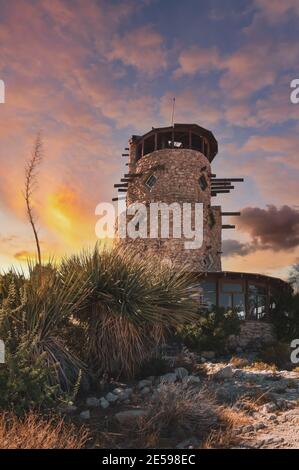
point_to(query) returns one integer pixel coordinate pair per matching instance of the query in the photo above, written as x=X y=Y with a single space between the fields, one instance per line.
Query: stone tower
x=173 y=165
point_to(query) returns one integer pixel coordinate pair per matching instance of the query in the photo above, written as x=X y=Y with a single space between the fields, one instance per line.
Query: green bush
x=277 y=354
x=285 y=315
x=154 y=367
x=211 y=330
x=36 y=314
x=24 y=382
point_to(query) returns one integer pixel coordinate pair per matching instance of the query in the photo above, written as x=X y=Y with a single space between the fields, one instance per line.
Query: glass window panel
x=209 y=293
x=196 y=142
x=231 y=287
x=239 y=305
x=209 y=299
x=151 y=181
x=149 y=145
x=257 y=289
x=208 y=286
x=203 y=182
x=226 y=300
x=181 y=140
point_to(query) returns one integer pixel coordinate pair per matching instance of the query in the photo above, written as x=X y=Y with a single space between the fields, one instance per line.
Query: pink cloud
x=141 y=48
x=198 y=59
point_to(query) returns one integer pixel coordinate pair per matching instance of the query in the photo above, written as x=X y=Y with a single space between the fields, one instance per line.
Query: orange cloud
x=25 y=256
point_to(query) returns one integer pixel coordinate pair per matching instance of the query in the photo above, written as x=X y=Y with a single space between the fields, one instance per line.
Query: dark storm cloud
x=236 y=248
x=270 y=229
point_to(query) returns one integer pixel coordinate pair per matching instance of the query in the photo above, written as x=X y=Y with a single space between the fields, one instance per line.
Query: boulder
x=104 y=403
x=181 y=372
x=145 y=391
x=191 y=380
x=269 y=407
x=144 y=383
x=85 y=415
x=169 y=378
x=93 y=402
x=111 y=397
x=224 y=373
x=68 y=409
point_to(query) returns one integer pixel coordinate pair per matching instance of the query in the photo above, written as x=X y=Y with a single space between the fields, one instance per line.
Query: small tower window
x=151 y=181
x=203 y=182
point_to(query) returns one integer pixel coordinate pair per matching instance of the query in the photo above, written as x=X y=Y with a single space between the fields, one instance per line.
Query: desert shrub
x=134 y=302
x=24 y=382
x=11 y=286
x=237 y=361
x=225 y=436
x=259 y=365
x=211 y=330
x=285 y=315
x=155 y=366
x=177 y=412
x=277 y=354
x=32 y=320
x=34 y=431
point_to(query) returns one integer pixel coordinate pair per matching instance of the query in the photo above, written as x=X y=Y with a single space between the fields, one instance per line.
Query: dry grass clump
x=239 y=361
x=262 y=366
x=34 y=431
x=226 y=435
x=278 y=354
x=177 y=413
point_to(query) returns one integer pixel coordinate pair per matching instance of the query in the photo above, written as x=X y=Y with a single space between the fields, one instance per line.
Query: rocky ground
x=262 y=405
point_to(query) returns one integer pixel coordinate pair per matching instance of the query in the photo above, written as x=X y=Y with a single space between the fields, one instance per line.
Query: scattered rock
x=129 y=415
x=208 y=355
x=224 y=373
x=85 y=414
x=118 y=391
x=93 y=402
x=259 y=426
x=168 y=378
x=123 y=394
x=111 y=397
x=145 y=391
x=68 y=409
x=191 y=379
x=248 y=428
x=181 y=373
x=269 y=407
x=104 y=403
x=144 y=383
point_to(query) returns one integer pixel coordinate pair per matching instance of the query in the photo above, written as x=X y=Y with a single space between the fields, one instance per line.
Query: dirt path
x=280 y=433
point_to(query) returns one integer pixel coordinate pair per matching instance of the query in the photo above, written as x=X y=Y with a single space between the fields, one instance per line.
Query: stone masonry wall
x=177 y=172
x=253 y=335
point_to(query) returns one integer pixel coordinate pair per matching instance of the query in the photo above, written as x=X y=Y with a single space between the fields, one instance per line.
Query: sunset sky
x=90 y=73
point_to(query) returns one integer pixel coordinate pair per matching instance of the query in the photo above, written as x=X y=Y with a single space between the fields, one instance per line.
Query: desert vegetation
x=101 y=317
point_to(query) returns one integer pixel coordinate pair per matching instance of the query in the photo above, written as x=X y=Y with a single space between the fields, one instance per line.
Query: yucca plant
x=134 y=302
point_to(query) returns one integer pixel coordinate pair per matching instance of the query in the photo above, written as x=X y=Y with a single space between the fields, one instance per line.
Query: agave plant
x=134 y=302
